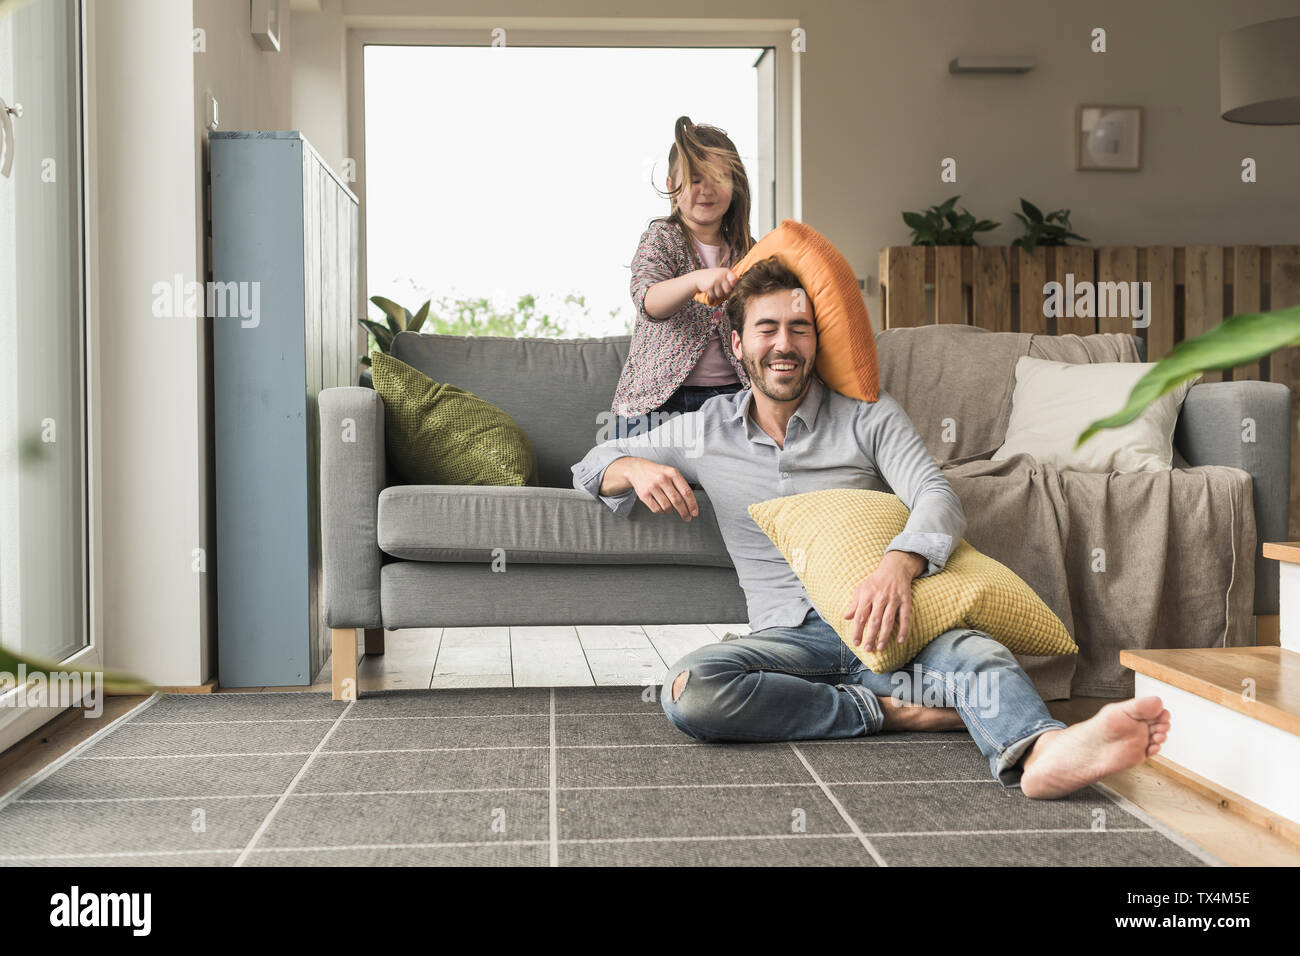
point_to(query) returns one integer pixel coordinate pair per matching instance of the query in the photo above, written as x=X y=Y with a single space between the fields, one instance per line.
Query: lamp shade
x=1259 y=73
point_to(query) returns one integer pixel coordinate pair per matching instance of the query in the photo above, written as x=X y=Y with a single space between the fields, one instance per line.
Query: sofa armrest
x=352 y=474
x=1212 y=430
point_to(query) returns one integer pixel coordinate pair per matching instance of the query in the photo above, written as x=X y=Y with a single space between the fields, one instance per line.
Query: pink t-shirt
x=713 y=367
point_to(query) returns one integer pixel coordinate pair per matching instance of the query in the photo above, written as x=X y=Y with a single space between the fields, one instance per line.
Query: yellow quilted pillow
x=835 y=538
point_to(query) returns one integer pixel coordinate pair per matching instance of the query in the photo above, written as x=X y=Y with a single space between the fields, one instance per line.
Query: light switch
x=212 y=111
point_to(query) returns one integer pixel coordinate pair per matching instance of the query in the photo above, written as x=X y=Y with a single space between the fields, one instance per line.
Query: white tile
x=477 y=680
x=626 y=665
x=675 y=641
x=407 y=661
x=548 y=657
x=467 y=661
x=377 y=674
x=412 y=638
x=546 y=670
x=605 y=636
x=476 y=637
x=559 y=634
x=416 y=646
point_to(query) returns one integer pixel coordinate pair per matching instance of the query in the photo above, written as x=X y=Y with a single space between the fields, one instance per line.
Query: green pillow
x=438 y=434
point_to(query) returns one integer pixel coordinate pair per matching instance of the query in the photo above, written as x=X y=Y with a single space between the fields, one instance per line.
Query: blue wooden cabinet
x=284 y=231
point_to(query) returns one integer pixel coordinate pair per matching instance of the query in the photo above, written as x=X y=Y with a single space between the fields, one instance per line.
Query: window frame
x=560 y=32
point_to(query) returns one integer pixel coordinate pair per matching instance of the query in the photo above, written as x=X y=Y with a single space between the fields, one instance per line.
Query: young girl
x=681 y=350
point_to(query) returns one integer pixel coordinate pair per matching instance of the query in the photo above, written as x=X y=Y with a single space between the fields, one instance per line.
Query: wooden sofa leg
x=343 y=666
x=374 y=641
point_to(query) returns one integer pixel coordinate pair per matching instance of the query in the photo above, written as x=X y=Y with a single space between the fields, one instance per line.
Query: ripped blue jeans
x=803 y=683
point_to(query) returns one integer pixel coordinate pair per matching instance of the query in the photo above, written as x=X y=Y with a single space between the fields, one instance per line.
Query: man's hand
x=883 y=597
x=662 y=487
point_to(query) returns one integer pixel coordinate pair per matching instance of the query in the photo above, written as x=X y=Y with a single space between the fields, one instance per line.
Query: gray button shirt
x=831 y=441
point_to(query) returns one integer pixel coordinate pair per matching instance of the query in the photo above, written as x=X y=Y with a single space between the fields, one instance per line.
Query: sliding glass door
x=43 y=448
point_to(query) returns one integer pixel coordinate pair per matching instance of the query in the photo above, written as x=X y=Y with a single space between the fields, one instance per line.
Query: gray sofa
x=406 y=556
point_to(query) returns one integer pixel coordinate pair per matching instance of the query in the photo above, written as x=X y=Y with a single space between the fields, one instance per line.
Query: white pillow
x=1054 y=402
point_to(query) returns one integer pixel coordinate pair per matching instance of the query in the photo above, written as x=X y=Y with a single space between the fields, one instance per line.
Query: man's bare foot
x=1119 y=736
x=914 y=717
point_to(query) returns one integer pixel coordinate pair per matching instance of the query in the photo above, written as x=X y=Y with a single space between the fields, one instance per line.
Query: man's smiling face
x=779 y=345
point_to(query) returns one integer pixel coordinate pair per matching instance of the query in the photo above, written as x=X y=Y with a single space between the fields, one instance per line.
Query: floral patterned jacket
x=664 y=351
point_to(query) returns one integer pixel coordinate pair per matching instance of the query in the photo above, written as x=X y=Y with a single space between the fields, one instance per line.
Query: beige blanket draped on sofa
x=1146 y=560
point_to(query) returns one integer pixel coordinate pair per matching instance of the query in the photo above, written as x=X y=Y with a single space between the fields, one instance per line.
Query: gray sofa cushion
x=558 y=390
x=539 y=526
x=420 y=594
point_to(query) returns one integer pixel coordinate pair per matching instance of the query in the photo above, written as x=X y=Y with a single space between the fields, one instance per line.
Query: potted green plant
x=942 y=225
x=1050 y=230
x=398 y=319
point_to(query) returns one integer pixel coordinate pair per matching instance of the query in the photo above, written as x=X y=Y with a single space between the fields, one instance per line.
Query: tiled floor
x=633 y=656
x=541 y=656
x=533 y=776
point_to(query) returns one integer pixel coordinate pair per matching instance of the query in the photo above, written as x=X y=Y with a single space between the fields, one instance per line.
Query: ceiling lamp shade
x=1259 y=73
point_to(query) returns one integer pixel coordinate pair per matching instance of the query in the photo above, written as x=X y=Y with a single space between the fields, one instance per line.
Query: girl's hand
x=715 y=283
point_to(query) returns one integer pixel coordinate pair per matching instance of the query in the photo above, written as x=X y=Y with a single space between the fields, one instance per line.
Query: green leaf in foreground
x=115 y=682
x=1240 y=339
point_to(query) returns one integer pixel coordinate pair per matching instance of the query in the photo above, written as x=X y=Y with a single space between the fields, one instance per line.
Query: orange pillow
x=846 y=344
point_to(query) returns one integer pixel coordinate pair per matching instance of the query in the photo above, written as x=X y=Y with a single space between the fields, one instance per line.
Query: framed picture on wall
x=1108 y=137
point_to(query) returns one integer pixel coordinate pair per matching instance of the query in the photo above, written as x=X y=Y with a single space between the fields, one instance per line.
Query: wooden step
x=1229 y=800
x=1217 y=673
x=1288 y=551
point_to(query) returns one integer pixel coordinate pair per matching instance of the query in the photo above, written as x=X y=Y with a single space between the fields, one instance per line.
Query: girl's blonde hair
x=694 y=148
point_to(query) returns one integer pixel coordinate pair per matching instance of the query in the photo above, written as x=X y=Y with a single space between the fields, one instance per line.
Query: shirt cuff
x=588 y=477
x=932 y=546
x=621 y=504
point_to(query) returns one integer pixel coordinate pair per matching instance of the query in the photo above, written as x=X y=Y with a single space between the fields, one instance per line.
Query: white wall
x=150 y=499
x=252 y=85
x=319 y=88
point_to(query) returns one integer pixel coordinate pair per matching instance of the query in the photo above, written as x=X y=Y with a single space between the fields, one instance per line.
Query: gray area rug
x=535 y=777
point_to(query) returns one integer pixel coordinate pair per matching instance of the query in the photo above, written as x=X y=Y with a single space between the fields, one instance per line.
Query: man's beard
x=778 y=391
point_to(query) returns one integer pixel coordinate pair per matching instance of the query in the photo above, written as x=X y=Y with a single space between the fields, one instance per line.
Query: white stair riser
x=1249 y=757
x=1289 y=605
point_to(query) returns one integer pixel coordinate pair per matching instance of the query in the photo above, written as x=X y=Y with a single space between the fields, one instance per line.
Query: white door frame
x=17 y=722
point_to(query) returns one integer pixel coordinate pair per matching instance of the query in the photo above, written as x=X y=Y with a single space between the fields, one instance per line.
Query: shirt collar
x=812 y=403
x=806 y=412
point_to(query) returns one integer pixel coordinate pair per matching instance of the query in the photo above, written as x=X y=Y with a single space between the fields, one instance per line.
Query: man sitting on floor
x=792 y=677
